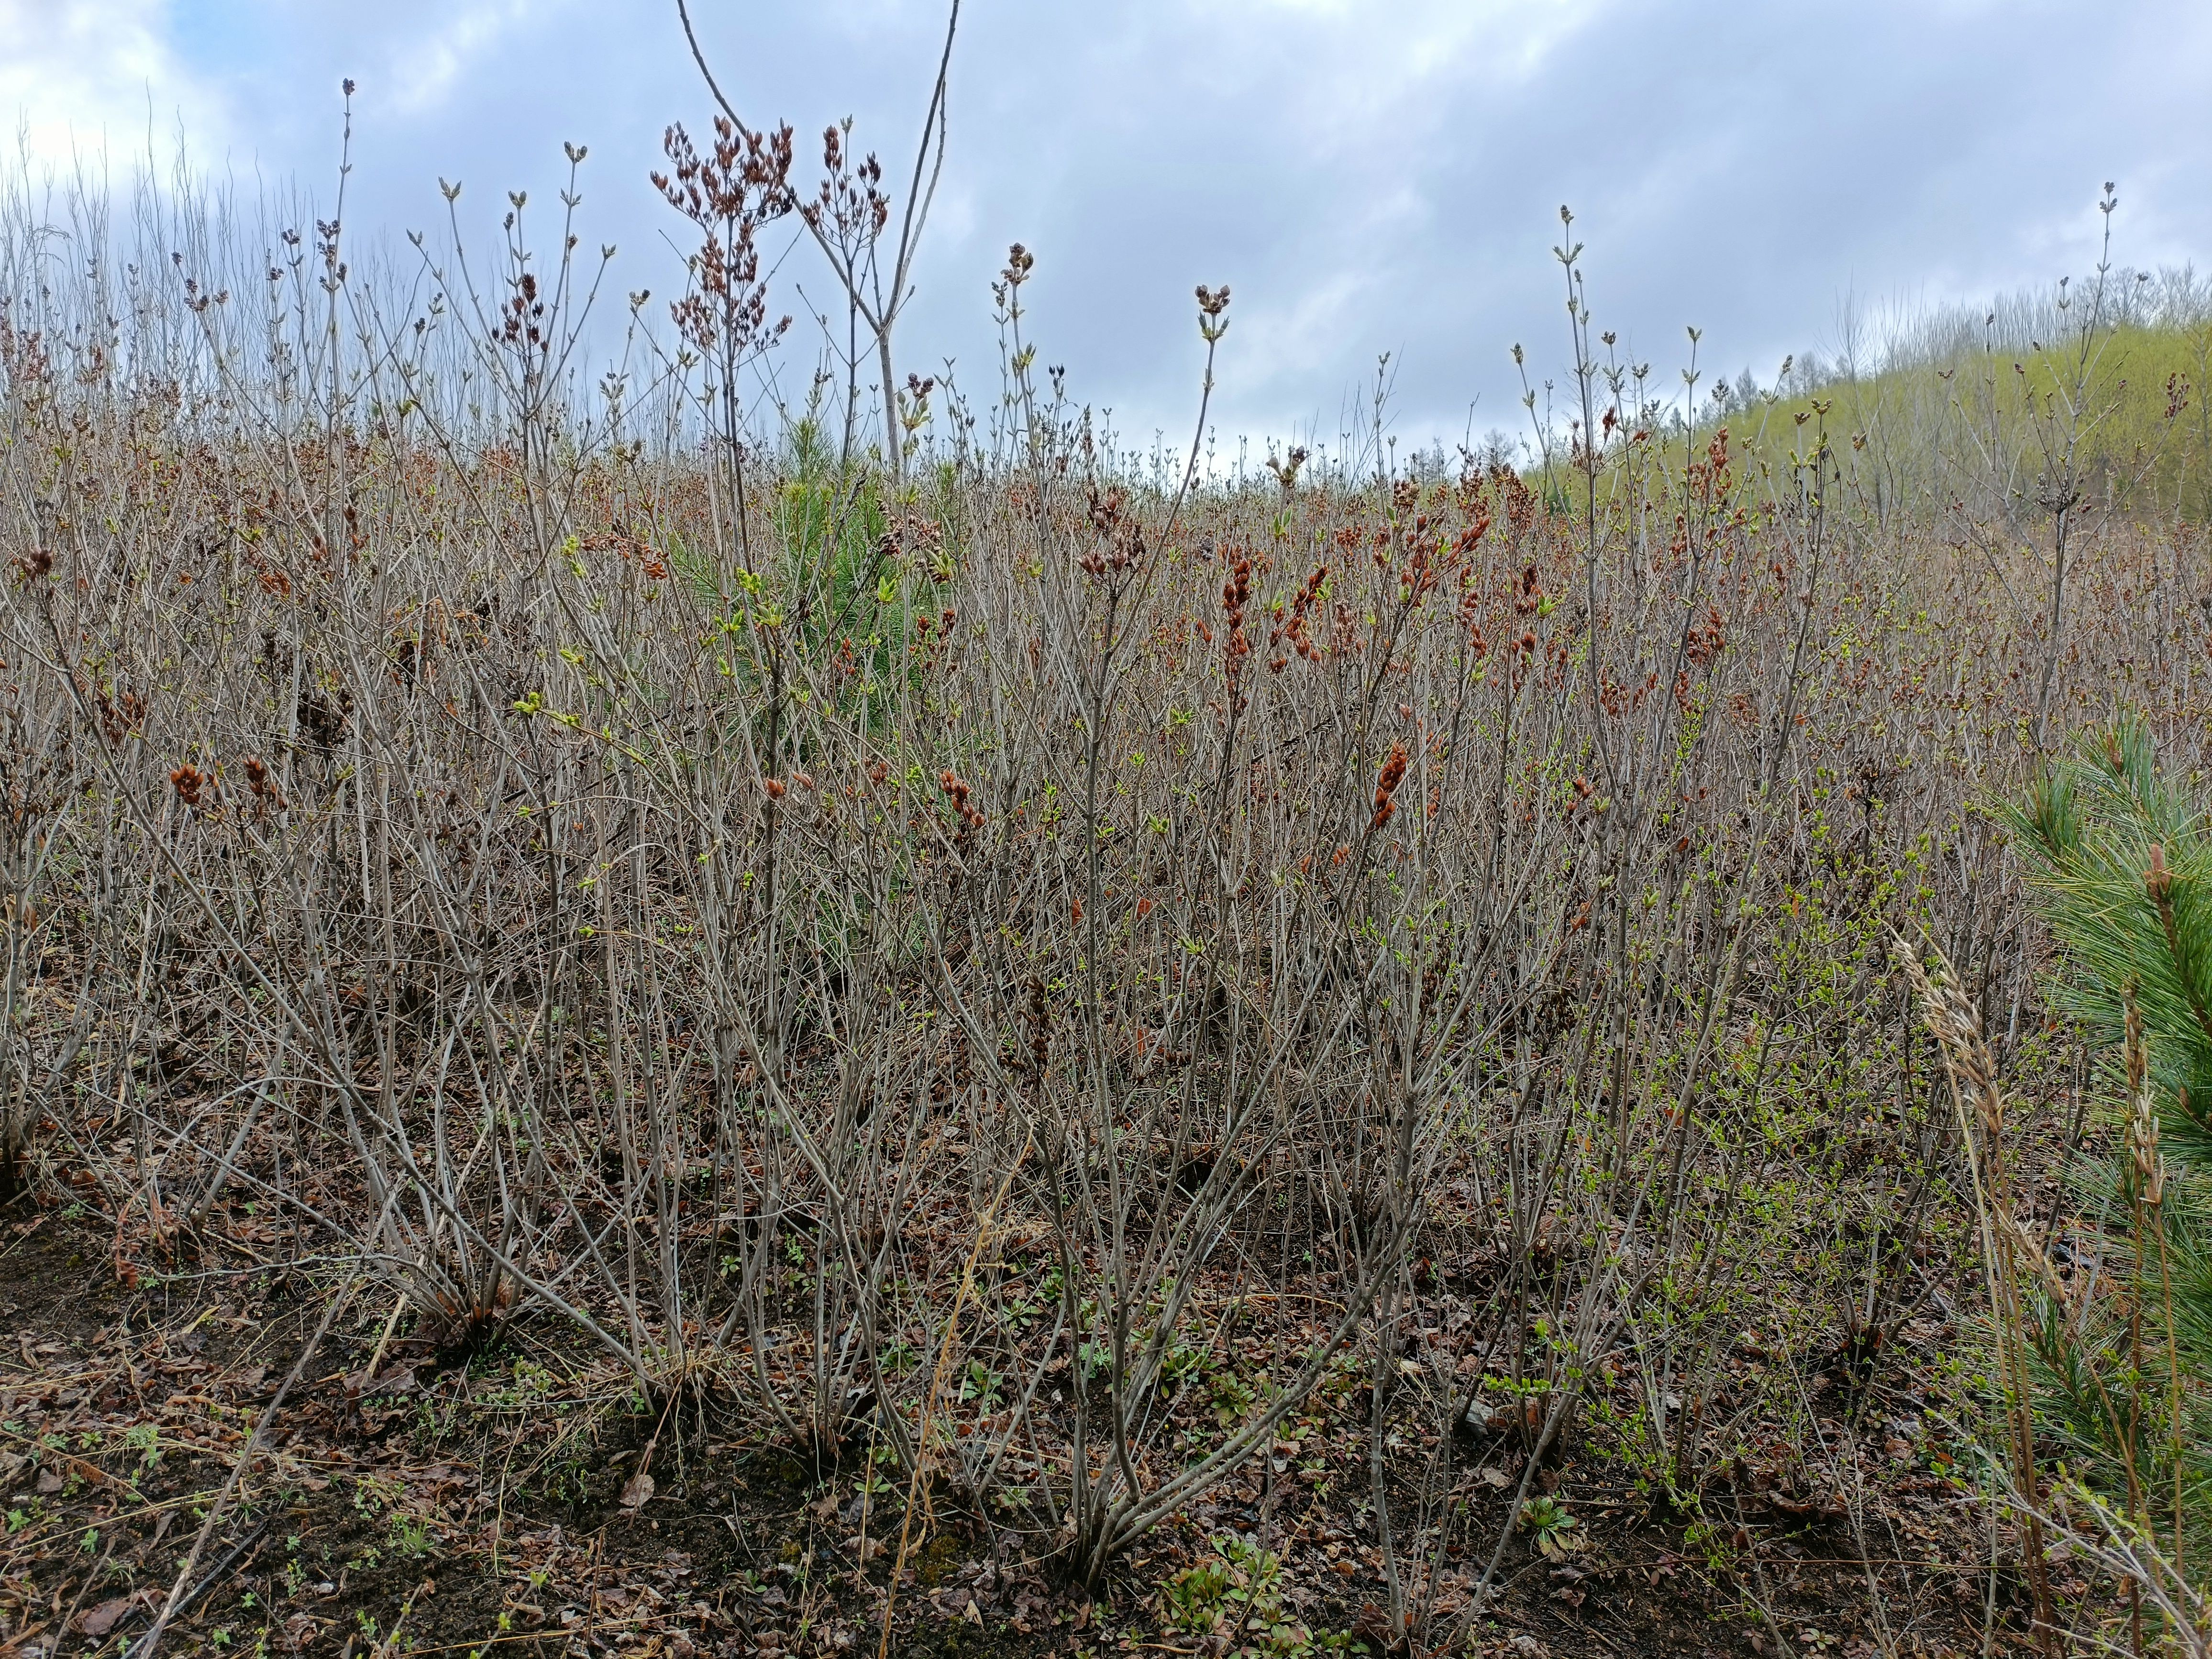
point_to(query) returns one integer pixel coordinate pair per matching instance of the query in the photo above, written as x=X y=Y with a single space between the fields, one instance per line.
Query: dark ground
x=465 y=1507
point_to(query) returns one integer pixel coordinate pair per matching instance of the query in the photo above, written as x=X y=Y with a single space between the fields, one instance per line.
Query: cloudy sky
x=1371 y=176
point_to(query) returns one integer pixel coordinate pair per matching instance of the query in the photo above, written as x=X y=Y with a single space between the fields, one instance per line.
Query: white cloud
x=1370 y=175
x=427 y=70
x=82 y=76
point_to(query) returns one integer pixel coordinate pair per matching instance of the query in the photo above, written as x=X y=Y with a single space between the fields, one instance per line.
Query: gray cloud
x=1369 y=176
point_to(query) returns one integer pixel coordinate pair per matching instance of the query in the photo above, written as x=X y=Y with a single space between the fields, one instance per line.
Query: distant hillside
x=1957 y=408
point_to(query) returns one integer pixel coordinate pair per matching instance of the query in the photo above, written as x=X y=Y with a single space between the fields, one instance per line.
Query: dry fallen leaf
x=102 y=1619
x=637 y=1490
x=397 y=1379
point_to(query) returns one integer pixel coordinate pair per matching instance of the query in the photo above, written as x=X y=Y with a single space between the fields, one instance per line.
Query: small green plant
x=144 y=1439
x=1236 y=1595
x=1196 y=1596
x=373 y=1496
x=1714 y=1542
x=1184 y=1361
x=983 y=1386
x=1233 y=1398
x=1555 y=1532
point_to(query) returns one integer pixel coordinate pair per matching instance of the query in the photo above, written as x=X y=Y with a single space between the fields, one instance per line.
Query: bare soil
x=460 y=1504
